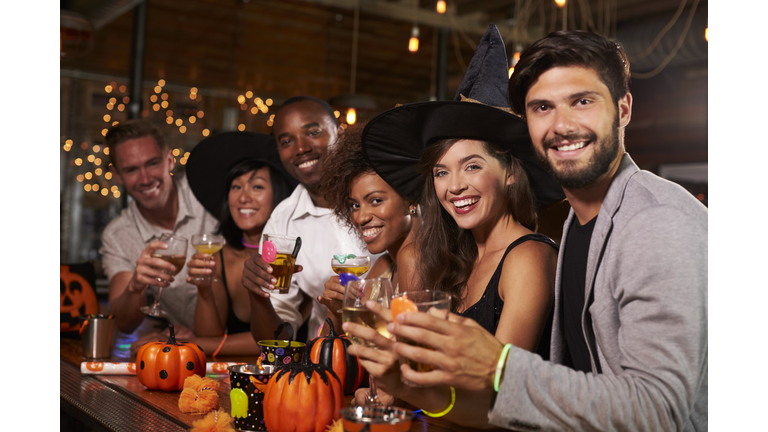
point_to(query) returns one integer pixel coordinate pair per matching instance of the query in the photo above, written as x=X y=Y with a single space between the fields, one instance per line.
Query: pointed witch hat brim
x=394 y=140
x=209 y=163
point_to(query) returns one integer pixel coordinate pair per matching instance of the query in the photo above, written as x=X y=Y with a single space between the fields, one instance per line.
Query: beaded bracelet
x=500 y=366
x=445 y=411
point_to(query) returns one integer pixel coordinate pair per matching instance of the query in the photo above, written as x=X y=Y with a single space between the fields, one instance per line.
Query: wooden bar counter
x=122 y=403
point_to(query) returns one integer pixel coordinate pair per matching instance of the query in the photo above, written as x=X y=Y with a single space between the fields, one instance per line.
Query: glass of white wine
x=207 y=244
x=353 y=310
x=176 y=254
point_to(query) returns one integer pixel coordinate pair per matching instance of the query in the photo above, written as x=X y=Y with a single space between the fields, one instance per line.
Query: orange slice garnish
x=401 y=305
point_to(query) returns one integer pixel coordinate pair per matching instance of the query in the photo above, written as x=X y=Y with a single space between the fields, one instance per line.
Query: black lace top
x=487 y=311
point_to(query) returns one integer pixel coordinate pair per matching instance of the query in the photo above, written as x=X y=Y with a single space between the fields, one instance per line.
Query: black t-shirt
x=576 y=353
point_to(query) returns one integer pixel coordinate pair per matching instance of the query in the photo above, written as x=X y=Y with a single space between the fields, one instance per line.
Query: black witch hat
x=395 y=139
x=210 y=161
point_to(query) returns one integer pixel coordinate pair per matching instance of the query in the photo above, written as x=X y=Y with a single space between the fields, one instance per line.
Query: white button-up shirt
x=127 y=235
x=322 y=236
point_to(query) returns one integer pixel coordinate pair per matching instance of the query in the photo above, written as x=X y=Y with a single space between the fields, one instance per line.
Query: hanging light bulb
x=351 y=116
x=441 y=6
x=560 y=3
x=706 y=33
x=413 y=44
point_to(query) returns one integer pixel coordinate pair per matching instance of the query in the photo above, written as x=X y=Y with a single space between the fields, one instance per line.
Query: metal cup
x=98 y=336
x=376 y=418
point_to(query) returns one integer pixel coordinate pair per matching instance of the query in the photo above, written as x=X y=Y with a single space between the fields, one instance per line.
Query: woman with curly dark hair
x=384 y=219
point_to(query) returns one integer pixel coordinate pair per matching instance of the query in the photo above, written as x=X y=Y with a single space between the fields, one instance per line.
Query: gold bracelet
x=445 y=411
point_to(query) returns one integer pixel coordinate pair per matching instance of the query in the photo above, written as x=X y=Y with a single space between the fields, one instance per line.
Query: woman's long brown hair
x=446 y=252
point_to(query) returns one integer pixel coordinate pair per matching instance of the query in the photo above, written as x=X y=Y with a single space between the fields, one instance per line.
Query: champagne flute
x=176 y=254
x=354 y=310
x=207 y=244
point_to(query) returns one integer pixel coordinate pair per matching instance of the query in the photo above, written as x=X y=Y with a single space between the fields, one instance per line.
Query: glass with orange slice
x=357 y=292
x=428 y=301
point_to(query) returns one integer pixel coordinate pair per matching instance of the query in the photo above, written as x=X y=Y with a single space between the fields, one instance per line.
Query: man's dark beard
x=599 y=165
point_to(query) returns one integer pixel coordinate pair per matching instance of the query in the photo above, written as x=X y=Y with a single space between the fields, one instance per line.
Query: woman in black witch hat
x=384 y=219
x=239 y=178
x=470 y=165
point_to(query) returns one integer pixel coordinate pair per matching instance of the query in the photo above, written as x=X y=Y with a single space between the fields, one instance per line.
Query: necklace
x=249 y=246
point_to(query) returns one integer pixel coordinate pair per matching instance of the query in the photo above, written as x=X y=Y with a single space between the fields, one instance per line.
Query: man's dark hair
x=326 y=106
x=132 y=129
x=570 y=48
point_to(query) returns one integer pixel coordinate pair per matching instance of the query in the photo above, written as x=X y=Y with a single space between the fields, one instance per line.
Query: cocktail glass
x=356 y=265
x=207 y=244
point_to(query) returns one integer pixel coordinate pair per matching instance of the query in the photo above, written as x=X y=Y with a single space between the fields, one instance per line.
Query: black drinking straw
x=296 y=249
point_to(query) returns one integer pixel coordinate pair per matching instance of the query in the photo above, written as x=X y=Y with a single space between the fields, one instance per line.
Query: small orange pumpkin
x=165 y=366
x=302 y=397
x=331 y=351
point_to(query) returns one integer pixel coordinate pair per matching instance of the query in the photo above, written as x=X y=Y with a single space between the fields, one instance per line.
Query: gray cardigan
x=647 y=271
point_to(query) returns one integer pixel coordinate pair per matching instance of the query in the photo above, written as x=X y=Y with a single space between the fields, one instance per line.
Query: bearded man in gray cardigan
x=629 y=341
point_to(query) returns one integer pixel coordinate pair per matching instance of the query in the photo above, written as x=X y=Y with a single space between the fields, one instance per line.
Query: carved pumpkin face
x=77 y=298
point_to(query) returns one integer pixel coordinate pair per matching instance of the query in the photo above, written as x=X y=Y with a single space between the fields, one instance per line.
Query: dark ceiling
x=282 y=48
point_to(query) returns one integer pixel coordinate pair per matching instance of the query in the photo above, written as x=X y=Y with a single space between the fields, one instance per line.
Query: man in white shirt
x=305 y=129
x=142 y=163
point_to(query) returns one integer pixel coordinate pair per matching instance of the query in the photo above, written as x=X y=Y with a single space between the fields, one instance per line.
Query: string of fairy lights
x=95 y=174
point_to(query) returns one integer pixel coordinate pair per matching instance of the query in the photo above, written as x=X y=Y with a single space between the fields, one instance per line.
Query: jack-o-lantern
x=77 y=298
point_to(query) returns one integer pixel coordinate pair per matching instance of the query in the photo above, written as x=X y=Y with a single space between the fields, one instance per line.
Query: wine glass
x=176 y=254
x=207 y=244
x=353 y=310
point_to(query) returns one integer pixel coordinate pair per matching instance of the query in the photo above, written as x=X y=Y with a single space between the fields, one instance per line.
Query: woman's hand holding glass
x=333 y=296
x=206 y=245
x=201 y=268
x=376 y=353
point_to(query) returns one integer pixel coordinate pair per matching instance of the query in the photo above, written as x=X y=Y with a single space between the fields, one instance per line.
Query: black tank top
x=487 y=311
x=234 y=325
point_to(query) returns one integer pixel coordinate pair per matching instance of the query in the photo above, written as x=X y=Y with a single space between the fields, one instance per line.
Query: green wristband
x=500 y=367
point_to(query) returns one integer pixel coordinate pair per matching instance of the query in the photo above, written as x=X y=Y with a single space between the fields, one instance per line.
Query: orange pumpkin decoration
x=220 y=367
x=77 y=298
x=94 y=366
x=302 y=397
x=331 y=351
x=165 y=366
